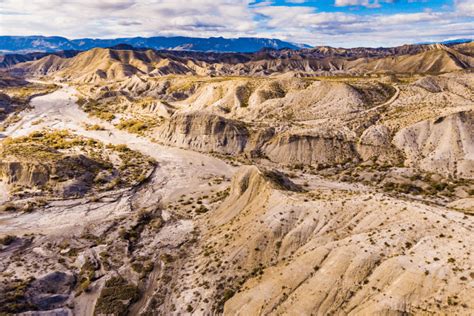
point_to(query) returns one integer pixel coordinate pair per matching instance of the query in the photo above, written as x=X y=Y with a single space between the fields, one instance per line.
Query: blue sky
x=373 y=7
x=343 y=23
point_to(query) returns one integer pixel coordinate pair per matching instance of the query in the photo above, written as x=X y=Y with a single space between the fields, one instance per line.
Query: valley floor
x=180 y=172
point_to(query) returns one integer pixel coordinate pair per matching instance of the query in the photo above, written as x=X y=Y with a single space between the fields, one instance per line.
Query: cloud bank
x=340 y=24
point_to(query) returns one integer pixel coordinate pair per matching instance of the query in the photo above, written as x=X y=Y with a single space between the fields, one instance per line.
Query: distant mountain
x=212 y=44
x=9 y=60
x=451 y=42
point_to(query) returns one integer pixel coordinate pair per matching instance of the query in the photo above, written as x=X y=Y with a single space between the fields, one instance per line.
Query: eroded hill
x=107 y=64
x=320 y=181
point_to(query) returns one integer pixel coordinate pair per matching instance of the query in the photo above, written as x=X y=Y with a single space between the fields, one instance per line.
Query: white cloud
x=98 y=18
x=232 y=18
x=363 y=3
x=465 y=6
x=295 y=1
x=349 y=29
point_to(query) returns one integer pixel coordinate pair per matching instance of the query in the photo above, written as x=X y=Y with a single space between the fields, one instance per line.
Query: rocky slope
x=310 y=148
x=443 y=145
x=330 y=194
x=105 y=64
x=305 y=121
x=273 y=248
x=62 y=165
x=438 y=60
x=337 y=251
x=204 y=132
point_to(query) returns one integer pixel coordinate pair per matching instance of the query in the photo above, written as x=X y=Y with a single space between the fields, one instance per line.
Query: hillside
x=9 y=60
x=436 y=60
x=322 y=181
x=105 y=64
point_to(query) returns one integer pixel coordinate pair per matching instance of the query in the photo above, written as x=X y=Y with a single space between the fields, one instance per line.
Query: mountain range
x=119 y=62
x=49 y=44
x=216 y=44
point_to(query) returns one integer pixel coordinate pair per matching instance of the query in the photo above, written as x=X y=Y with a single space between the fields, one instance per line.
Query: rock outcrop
x=310 y=148
x=375 y=144
x=62 y=164
x=444 y=145
x=70 y=174
x=204 y=132
x=250 y=187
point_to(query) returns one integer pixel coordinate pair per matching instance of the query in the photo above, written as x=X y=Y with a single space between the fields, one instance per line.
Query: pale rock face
x=310 y=149
x=204 y=132
x=25 y=173
x=444 y=145
x=376 y=135
x=437 y=84
x=465 y=205
x=375 y=144
x=273 y=90
x=247 y=185
x=211 y=133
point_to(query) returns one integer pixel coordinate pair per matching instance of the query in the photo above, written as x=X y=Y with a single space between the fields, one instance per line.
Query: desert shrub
x=202 y=209
x=137 y=267
x=132 y=125
x=96 y=109
x=409 y=188
x=106 y=116
x=81 y=101
x=226 y=295
x=122 y=148
x=116 y=296
x=7 y=240
x=86 y=276
x=439 y=186
x=13 y=297
x=406 y=188
x=94 y=127
x=8 y=207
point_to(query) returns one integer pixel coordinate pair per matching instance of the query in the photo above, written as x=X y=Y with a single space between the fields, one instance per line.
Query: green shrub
x=132 y=125
x=202 y=209
x=94 y=127
x=116 y=296
x=439 y=186
x=7 y=240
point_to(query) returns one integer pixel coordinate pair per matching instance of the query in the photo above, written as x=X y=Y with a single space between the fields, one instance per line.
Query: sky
x=340 y=23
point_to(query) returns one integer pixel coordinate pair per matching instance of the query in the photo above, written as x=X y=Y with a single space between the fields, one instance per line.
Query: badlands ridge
x=321 y=181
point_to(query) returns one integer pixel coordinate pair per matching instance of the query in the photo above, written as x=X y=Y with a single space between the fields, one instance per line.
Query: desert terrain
x=319 y=181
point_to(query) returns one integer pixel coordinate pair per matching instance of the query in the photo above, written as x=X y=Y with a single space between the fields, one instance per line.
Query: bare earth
x=267 y=195
x=179 y=172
